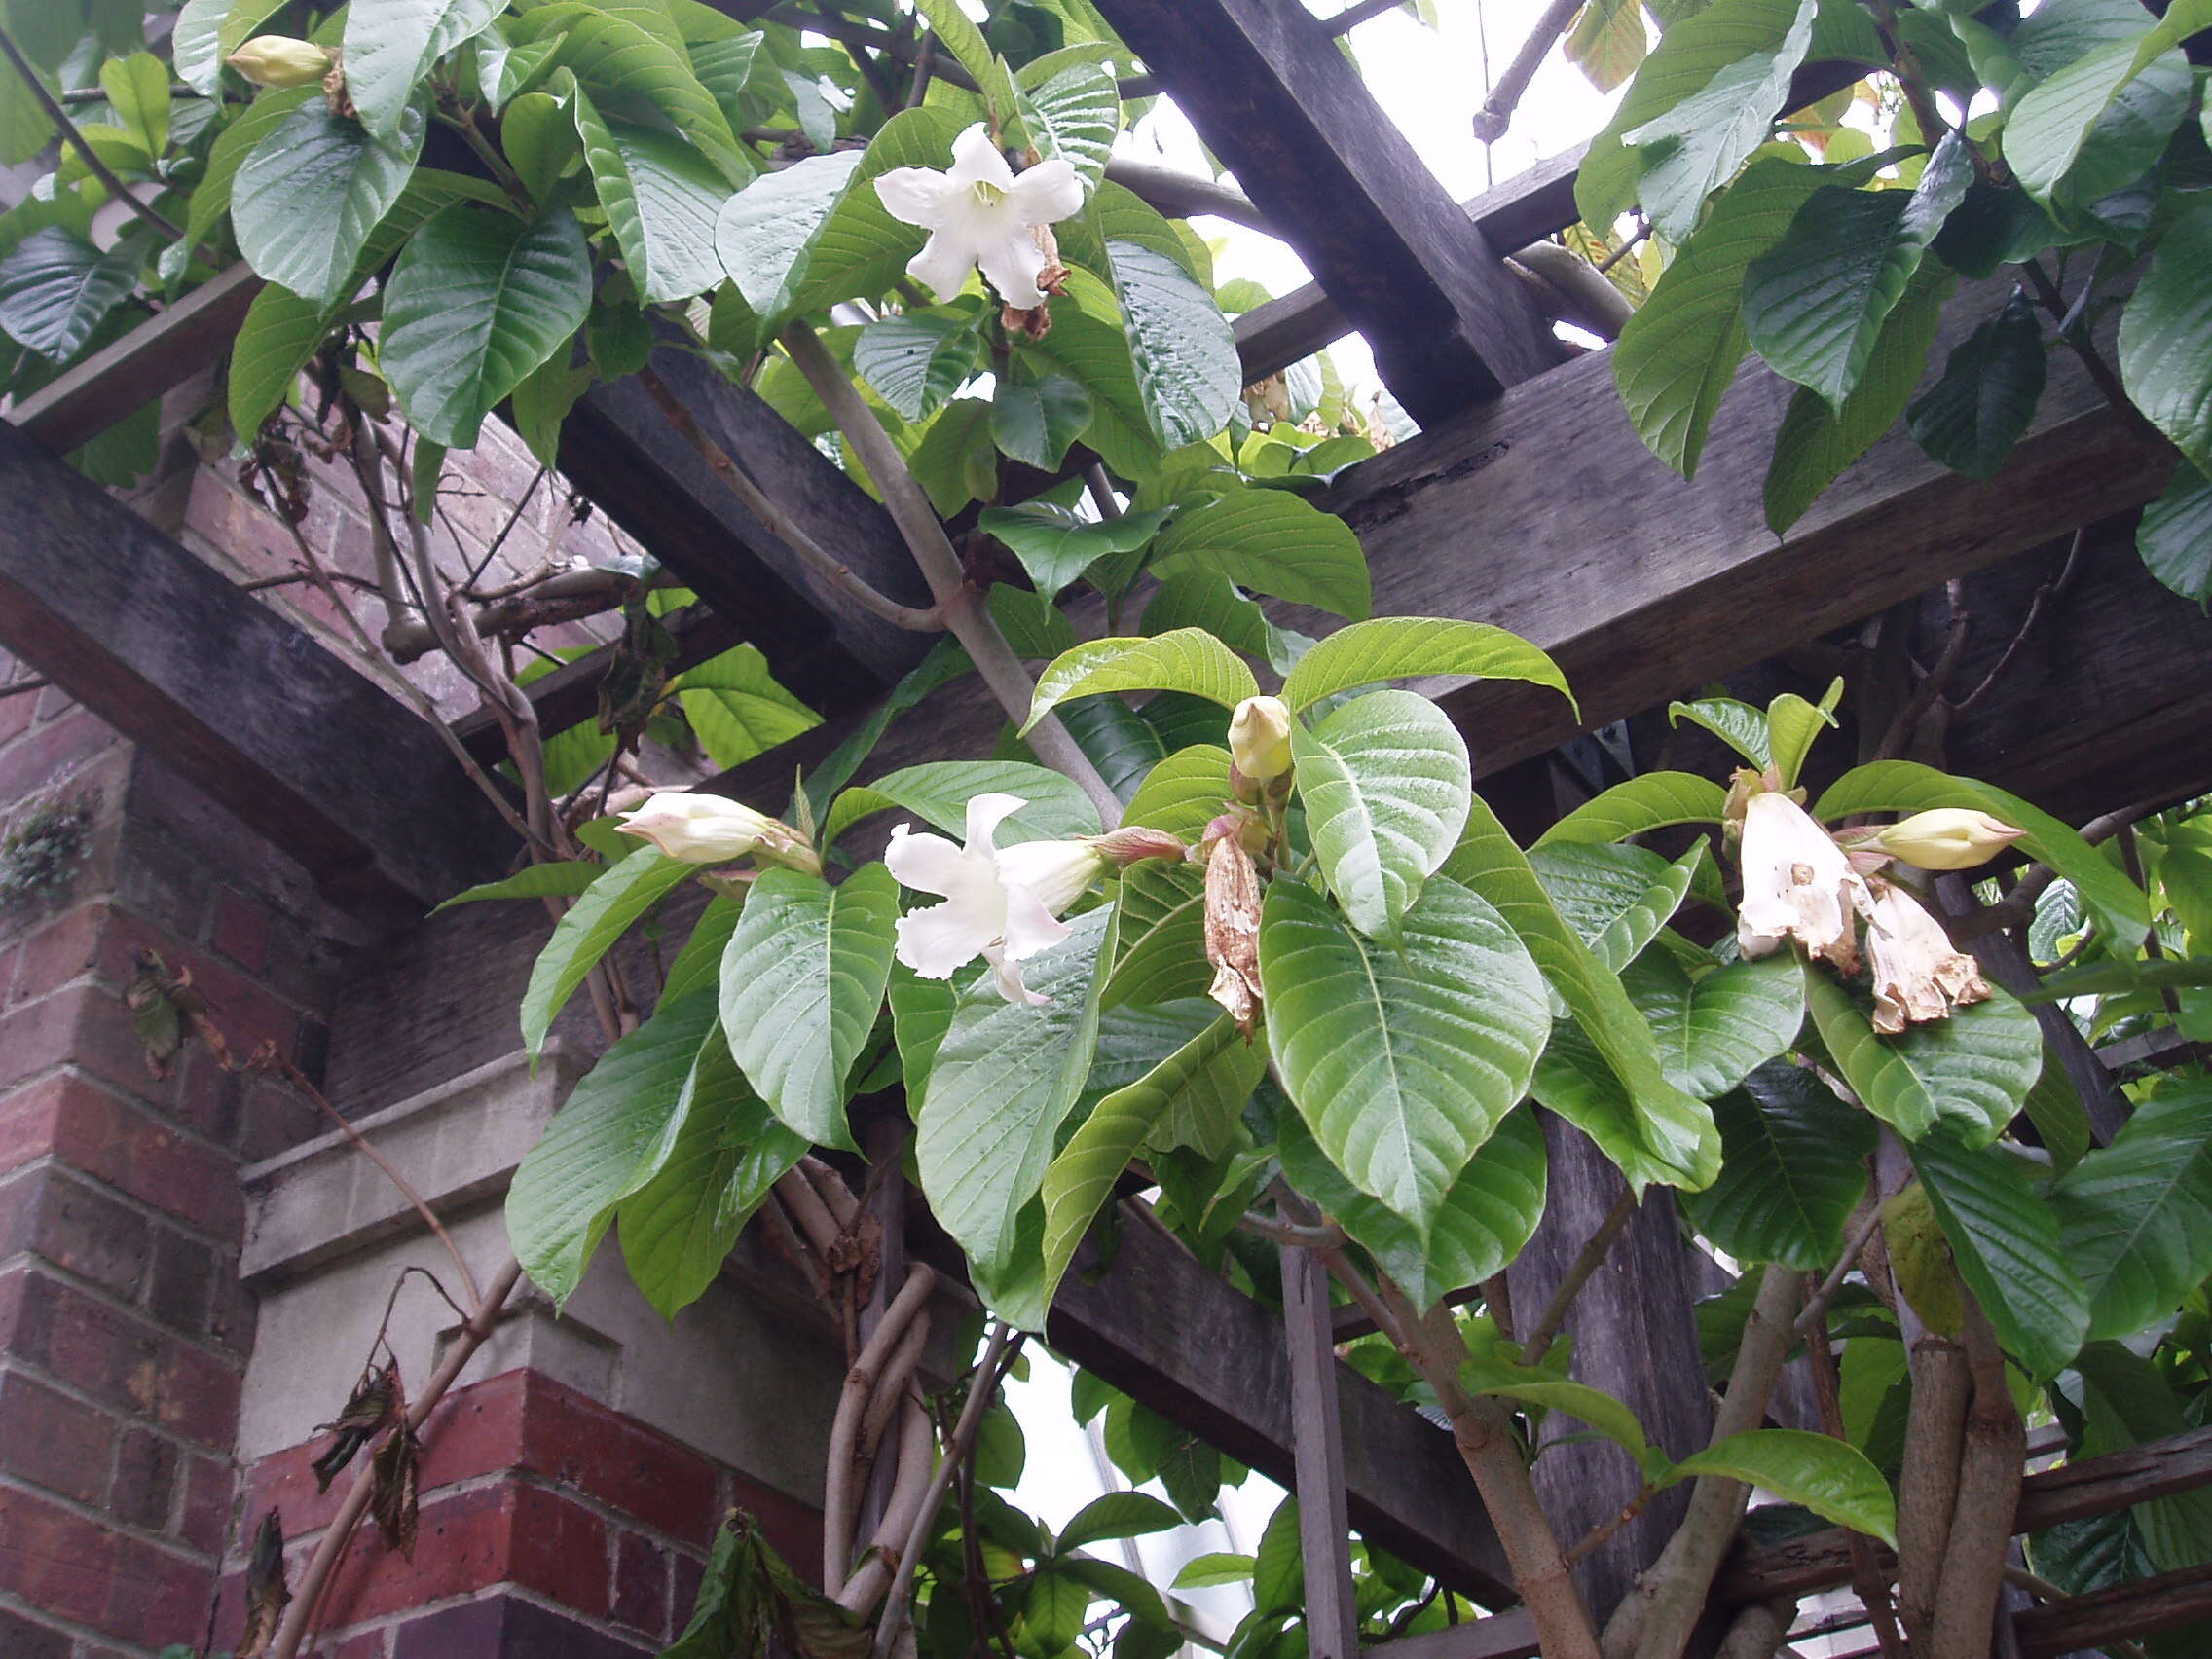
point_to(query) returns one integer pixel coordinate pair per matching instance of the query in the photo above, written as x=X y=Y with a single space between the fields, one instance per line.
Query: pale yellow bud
x=1948 y=837
x=712 y=829
x=1259 y=738
x=279 y=61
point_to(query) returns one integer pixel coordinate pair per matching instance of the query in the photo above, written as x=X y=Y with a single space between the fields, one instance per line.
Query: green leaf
x=598 y=917
x=1385 y=782
x=1187 y=366
x=477 y=301
x=1035 y=422
x=801 y=982
x=1609 y=1416
x=1055 y=544
x=1831 y=1479
x=2175 y=535
x=1817 y=443
x=1184 y=793
x=1716 y=1029
x=1094 y=353
x=2005 y=1241
x=1971 y=418
x=2126 y=1401
x=1033 y=625
x=1193 y=597
x=1616 y=899
x=1163 y=941
x=1973 y=1068
x=599 y=1148
x=715 y=1161
x=939 y=792
x=700 y=962
x=1272 y=542
x=1116 y=738
x=956 y=463
x=1793 y=725
x=765 y=234
x=1080 y=1182
x=304 y=202
x=137 y=88
x=1220 y=1567
x=956 y=34
x=2137 y=1214
x=1002 y=1080
x=624 y=55
x=2045 y=131
x=1652 y=801
x=2164 y=362
x=55 y=288
x=562 y=878
x=540 y=139
x=914 y=362
x=1907 y=785
x=1402 y=1060
x=196 y=48
x=390 y=45
x=1815 y=305
x=736 y=708
x=1117 y=1514
x=211 y=195
x=1187 y=660
x=1793 y=1169
x=662 y=200
x=1073 y=112
x=1403 y=648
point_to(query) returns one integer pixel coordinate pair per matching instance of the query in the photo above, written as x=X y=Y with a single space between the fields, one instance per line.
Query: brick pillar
x=123 y=1330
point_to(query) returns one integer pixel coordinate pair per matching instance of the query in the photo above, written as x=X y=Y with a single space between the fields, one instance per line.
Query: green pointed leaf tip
x=1831 y=1479
x=600 y=916
x=1187 y=659
x=390 y=44
x=1270 y=541
x=1385 y=782
x=1403 y=648
x=1971 y=418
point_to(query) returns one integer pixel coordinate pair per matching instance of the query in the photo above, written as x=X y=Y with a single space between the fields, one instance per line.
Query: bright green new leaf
x=137 y=88
x=1117 y=1514
x=2166 y=338
x=801 y=980
x=2137 y=1214
x=304 y=202
x=1270 y=541
x=1793 y=725
x=1385 y=783
x=1403 y=648
x=1184 y=793
x=598 y=917
x=1793 y=1170
x=938 y=792
x=390 y=45
x=2005 y=1241
x=1651 y=802
x=562 y=878
x=662 y=200
x=1831 y=1479
x=1187 y=659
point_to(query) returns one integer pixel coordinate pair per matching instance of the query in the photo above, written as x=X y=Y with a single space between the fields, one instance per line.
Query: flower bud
x=1259 y=738
x=712 y=829
x=1058 y=872
x=1948 y=837
x=1127 y=845
x=279 y=61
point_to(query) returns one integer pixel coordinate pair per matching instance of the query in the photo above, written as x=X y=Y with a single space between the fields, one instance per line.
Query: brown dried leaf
x=373 y=1403
x=265 y=1591
x=393 y=1469
x=1233 y=931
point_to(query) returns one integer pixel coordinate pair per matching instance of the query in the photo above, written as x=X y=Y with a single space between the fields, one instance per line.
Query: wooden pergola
x=1526 y=501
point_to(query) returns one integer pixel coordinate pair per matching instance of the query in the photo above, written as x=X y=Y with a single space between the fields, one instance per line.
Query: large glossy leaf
x=476 y=302
x=55 y=288
x=2126 y=1401
x=766 y=232
x=1402 y=1060
x=1831 y=1479
x=736 y=708
x=1034 y=421
x=662 y=198
x=1973 y=1069
x=1187 y=659
x=1185 y=359
x=390 y=45
x=1815 y=305
x=718 y=1156
x=1715 y=1029
x=211 y=195
x=2137 y=1214
x=1071 y=109
x=802 y=978
x=1184 y=793
x=917 y=360
x=195 y=47
x=1118 y=740
x=1055 y=544
x=1403 y=648
x=1487 y=1217
x=634 y=53
x=2005 y=1241
x=1793 y=1169
x=939 y=792
x=304 y=202
x=1616 y=899
x=1651 y=802
x=1094 y=353
x=599 y=1147
x=2046 y=130
x=1971 y=418
x=600 y=916
x=2175 y=535
x=1163 y=941
x=2166 y=338
x=1272 y=542
x=1385 y=782
x=1000 y=1082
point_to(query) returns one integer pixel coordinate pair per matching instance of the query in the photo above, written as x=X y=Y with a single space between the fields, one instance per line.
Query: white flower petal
x=928 y=864
x=1008 y=979
x=1048 y=193
x=942 y=264
x=1012 y=261
x=1028 y=925
x=1797 y=882
x=918 y=196
x=975 y=159
x=1058 y=872
x=985 y=813
x=935 y=942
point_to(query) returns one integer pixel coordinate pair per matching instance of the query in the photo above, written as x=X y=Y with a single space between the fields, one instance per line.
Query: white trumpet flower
x=981 y=213
x=1797 y=884
x=1002 y=905
x=708 y=830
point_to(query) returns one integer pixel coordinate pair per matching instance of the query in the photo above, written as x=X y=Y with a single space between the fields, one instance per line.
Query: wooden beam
x=241 y=704
x=2124 y=1612
x=1318 y=1446
x=620 y=450
x=1502 y=1636
x=2090 y=1486
x=1273 y=95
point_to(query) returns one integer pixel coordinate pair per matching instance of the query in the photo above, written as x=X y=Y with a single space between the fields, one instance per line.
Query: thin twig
x=2101 y=372
x=1351 y=16
x=1603 y=1530
x=1548 y=1323
x=1816 y=1310
x=1935 y=680
x=68 y=128
x=2045 y=596
x=17 y=688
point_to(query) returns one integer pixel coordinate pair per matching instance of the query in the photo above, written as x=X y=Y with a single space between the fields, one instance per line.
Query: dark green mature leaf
x=304 y=202
x=1002 y=1080
x=1832 y=1480
x=1187 y=366
x=917 y=360
x=2137 y=1214
x=1403 y=648
x=1270 y=541
x=1384 y=780
x=1055 y=544
x=55 y=288
x=752 y=1606
x=1403 y=1061
x=1815 y=305
x=476 y=302
x=2125 y=142
x=599 y=1147
x=1793 y=1169
x=1971 y=418
x=1971 y=1070
x=2175 y=535
x=211 y=195
x=662 y=200
x=802 y=979
x=2166 y=338
x=2047 y=128
x=1034 y=421
x=1116 y=739
x=2005 y=1241
x=390 y=45
x=600 y=916
x=2126 y=1401
x=765 y=234
x=1714 y=1030
x=1096 y=354
x=634 y=53
x=1117 y=1514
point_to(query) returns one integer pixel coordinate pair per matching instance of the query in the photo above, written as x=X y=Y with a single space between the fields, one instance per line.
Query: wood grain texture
x=2144 y=1607
x=1274 y=98
x=1503 y=1636
x=246 y=707
x=1318 y=1442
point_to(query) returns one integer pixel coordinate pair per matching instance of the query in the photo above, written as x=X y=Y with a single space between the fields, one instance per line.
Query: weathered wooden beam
x=2090 y=1485
x=1502 y=1636
x=243 y=705
x=1318 y=1446
x=621 y=450
x=1273 y=95
x=2124 y=1612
